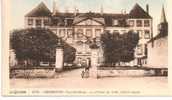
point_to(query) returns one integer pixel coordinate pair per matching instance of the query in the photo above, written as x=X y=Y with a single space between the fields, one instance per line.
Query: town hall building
x=78 y=29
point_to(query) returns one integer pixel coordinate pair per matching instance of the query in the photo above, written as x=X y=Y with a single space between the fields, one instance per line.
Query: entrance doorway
x=86 y=61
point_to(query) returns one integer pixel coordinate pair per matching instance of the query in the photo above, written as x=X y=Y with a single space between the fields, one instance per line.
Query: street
x=72 y=80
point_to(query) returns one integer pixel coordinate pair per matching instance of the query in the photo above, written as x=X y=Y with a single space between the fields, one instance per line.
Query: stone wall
x=32 y=73
x=158 y=53
x=126 y=72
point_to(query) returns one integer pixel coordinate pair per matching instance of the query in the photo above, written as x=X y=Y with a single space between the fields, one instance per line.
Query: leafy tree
x=69 y=53
x=130 y=41
x=110 y=49
x=119 y=47
x=35 y=45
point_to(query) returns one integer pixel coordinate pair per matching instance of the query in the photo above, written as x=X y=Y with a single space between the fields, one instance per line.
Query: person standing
x=85 y=73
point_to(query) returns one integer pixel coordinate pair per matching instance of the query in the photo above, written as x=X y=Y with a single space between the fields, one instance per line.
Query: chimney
x=76 y=11
x=123 y=11
x=54 y=7
x=147 y=8
x=101 y=10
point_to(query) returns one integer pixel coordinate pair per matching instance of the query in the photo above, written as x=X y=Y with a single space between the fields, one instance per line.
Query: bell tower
x=163 y=26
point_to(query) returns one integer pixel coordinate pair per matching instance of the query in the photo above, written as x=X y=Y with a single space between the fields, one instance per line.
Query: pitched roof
x=110 y=17
x=89 y=14
x=99 y=20
x=138 y=12
x=93 y=16
x=163 y=17
x=106 y=18
x=159 y=36
x=40 y=11
x=63 y=14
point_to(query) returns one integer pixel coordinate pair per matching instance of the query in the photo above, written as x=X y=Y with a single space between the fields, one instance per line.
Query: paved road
x=75 y=73
x=72 y=80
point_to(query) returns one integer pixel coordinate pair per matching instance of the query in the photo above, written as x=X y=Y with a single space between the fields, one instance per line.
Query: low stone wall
x=32 y=73
x=111 y=72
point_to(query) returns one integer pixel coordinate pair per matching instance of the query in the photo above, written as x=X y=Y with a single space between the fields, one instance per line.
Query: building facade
x=79 y=29
x=158 y=46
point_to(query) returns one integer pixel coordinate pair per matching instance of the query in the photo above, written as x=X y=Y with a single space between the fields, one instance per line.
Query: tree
x=130 y=41
x=111 y=49
x=35 y=45
x=119 y=47
x=69 y=53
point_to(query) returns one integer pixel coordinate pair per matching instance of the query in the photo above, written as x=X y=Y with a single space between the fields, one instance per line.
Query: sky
x=19 y=8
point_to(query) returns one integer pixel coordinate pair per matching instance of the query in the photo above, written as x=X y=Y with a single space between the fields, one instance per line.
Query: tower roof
x=138 y=12
x=40 y=11
x=163 y=17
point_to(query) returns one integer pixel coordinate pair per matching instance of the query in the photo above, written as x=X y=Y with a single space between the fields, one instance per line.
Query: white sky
x=21 y=7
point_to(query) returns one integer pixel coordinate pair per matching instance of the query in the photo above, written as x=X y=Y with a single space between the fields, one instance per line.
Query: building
x=79 y=29
x=158 y=46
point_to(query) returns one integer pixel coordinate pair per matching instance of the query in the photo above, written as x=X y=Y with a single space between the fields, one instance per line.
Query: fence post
x=94 y=62
x=59 y=57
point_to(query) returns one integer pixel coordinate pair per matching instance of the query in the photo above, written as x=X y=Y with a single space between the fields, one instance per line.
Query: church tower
x=163 y=26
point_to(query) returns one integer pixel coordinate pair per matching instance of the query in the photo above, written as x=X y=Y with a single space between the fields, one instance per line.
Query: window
x=146 y=23
x=61 y=32
x=115 y=22
x=97 y=32
x=38 y=22
x=30 y=21
x=46 y=22
x=140 y=32
x=147 y=34
x=146 y=49
x=131 y=23
x=139 y=23
x=69 y=33
x=115 y=31
x=89 y=32
x=45 y=62
x=80 y=33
